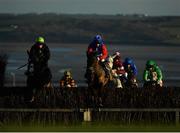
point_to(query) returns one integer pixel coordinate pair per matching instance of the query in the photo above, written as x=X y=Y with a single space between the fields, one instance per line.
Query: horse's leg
x=47 y=96
x=34 y=92
x=119 y=84
x=100 y=95
x=90 y=98
x=100 y=100
x=30 y=87
x=95 y=97
x=49 y=93
x=53 y=94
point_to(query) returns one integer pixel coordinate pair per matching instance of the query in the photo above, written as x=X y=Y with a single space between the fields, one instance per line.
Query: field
x=93 y=127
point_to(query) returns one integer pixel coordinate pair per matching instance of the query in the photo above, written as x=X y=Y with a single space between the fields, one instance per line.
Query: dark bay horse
x=39 y=85
x=96 y=75
x=98 y=81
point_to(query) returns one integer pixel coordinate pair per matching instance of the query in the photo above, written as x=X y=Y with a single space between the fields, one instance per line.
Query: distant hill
x=65 y=28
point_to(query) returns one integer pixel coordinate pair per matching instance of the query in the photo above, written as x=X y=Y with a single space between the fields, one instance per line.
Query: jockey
x=39 y=54
x=67 y=80
x=40 y=75
x=118 y=67
x=152 y=73
x=97 y=45
x=118 y=64
x=131 y=70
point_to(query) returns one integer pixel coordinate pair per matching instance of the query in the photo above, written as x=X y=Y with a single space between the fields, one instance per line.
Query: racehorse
x=97 y=79
x=39 y=84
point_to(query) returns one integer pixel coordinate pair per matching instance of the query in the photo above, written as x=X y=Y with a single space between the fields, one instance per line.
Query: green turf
x=92 y=127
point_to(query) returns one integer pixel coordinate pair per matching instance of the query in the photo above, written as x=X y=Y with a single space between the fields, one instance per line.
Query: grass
x=93 y=127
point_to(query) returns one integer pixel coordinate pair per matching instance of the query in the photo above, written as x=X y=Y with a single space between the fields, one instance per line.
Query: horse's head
x=92 y=59
x=110 y=61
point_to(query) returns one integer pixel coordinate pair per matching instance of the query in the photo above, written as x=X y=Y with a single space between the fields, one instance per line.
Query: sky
x=109 y=7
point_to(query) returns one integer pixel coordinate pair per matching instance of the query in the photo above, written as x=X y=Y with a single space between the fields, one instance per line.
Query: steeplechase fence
x=53 y=116
x=75 y=105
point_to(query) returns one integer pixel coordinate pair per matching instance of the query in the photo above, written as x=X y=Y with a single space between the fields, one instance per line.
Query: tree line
x=80 y=28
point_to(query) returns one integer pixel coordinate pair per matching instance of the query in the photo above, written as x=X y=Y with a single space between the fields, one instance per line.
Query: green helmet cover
x=40 y=40
x=150 y=63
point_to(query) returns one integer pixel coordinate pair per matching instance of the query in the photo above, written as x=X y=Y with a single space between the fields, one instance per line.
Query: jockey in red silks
x=97 y=45
x=118 y=64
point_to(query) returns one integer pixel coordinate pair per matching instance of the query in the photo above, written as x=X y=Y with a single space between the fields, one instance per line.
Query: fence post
x=177 y=117
x=87 y=115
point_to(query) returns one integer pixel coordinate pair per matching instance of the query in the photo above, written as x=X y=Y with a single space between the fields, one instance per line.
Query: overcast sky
x=150 y=7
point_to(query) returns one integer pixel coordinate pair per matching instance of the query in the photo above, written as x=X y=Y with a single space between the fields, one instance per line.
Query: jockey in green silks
x=153 y=73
